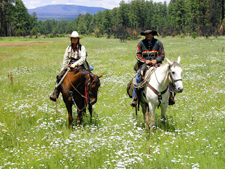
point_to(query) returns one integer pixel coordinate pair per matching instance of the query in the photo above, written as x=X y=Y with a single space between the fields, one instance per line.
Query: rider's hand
x=154 y=61
x=148 y=62
x=72 y=66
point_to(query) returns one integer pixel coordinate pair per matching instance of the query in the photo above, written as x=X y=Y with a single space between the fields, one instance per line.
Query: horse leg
x=136 y=110
x=79 y=117
x=164 y=108
x=84 y=112
x=147 y=118
x=152 y=112
x=143 y=107
x=145 y=112
x=70 y=118
x=90 y=111
x=163 y=113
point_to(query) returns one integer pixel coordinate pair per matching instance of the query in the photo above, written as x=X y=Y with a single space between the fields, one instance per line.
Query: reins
x=84 y=96
x=173 y=81
x=159 y=94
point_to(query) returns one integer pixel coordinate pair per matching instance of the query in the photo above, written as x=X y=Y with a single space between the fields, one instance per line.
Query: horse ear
x=99 y=76
x=92 y=77
x=178 y=60
x=169 y=61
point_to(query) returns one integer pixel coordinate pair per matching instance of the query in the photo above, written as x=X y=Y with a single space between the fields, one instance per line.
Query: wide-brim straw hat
x=148 y=32
x=75 y=34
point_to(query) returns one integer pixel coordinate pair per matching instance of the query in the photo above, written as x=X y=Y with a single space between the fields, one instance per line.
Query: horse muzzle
x=179 y=90
x=93 y=101
x=178 y=86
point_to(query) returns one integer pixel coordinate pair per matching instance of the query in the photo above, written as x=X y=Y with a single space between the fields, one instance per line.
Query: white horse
x=156 y=93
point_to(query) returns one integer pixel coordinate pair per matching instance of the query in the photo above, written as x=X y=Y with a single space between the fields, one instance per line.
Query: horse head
x=175 y=75
x=93 y=87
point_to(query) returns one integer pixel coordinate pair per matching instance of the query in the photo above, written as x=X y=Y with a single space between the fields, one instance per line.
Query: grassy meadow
x=31 y=136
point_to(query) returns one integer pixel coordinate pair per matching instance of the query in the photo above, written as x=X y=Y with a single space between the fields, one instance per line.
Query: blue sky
x=109 y=4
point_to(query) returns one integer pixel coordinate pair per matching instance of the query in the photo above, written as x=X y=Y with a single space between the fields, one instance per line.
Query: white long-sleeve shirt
x=68 y=55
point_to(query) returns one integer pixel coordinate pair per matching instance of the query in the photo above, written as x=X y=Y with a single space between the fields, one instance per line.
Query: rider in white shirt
x=75 y=55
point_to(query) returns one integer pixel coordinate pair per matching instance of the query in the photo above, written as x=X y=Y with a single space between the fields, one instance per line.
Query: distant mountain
x=59 y=12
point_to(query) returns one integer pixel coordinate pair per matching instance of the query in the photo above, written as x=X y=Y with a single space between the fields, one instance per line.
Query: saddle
x=145 y=78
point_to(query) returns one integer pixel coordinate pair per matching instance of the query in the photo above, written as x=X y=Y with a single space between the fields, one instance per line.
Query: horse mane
x=96 y=79
x=164 y=64
x=174 y=64
x=81 y=70
x=84 y=72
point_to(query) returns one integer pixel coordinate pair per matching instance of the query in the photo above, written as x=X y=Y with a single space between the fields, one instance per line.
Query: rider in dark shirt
x=149 y=51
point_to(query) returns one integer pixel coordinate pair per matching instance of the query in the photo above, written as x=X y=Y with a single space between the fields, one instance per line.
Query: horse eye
x=173 y=73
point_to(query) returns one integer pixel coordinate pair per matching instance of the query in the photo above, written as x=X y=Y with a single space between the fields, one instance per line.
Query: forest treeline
x=202 y=17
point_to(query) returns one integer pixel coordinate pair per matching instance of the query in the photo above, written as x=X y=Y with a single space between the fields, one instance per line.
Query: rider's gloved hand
x=148 y=62
x=72 y=66
x=154 y=61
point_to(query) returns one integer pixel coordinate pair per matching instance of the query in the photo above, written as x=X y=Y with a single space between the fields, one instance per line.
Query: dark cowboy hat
x=148 y=32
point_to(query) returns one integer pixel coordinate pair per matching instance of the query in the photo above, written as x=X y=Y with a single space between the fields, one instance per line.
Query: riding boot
x=172 y=94
x=57 y=90
x=171 y=98
x=55 y=94
x=134 y=101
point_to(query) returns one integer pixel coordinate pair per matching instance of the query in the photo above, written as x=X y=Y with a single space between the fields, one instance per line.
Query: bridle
x=159 y=94
x=171 y=77
x=87 y=92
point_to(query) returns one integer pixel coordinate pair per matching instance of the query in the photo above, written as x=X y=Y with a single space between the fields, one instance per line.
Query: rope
x=147 y=78
x=60 y=82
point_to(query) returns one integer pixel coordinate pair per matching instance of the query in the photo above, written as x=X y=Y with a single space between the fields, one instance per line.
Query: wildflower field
x=31 y=136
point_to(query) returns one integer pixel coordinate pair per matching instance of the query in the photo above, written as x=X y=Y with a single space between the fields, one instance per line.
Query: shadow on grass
x=87 y=120
x=168 y=125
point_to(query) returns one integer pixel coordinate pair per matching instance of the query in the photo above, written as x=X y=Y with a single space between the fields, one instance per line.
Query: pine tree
x=107 y=22
x=6 y=16
x=22 y=16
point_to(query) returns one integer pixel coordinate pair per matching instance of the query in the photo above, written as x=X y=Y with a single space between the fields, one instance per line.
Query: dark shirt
x=149 y=50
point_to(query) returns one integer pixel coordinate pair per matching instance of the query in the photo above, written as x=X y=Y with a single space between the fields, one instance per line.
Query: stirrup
x=52 y=97
x=133 y=105
x=171 y=101
x=134 y=102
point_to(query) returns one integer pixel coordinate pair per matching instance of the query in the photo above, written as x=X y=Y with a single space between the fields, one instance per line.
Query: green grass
x=31 y=136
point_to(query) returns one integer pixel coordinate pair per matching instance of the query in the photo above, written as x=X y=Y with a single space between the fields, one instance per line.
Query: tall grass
x=32 y=137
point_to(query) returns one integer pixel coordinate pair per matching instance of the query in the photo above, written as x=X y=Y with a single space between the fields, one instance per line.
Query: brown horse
x=80 y=88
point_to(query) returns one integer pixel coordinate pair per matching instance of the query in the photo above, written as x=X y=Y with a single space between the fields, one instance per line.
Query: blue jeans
x=138 y=78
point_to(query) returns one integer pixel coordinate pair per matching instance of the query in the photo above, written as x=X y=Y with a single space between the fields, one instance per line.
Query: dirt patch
x=177 y=43
x=22 y=47
x=8 y=55
x=11 y=44
x=22 y=44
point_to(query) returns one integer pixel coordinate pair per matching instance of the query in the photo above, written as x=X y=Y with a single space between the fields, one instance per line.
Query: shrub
x=50 y=36
x=182 y=35
x=84 y=35
x=97 y=33
x=19 y=32
x=62 y=35
x=194 y=35
x=34 y=31
x=128 y=38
